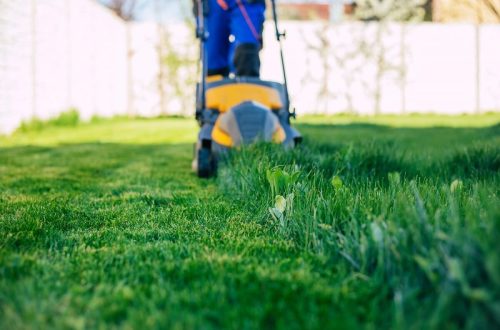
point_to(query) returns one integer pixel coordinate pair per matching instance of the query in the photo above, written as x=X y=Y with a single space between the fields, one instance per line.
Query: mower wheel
x=206 y=163
x=297 y=141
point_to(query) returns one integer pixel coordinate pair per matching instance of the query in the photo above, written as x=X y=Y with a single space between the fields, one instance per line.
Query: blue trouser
x=244 y=21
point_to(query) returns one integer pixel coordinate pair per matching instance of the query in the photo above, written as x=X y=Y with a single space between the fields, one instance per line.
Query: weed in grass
x=424 y=240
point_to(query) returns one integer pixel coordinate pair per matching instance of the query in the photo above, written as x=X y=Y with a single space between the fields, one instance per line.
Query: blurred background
x=139 y=57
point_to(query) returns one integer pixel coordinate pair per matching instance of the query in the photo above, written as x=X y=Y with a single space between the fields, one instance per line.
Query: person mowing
x=243 y=22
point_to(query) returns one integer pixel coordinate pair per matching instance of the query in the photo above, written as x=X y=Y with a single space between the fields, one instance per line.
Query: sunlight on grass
x=411 y=120
x=144 y=131
x=365 y=226
x=184 y=130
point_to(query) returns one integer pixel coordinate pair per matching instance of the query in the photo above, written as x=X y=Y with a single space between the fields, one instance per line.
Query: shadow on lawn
x=374 y=149
x=91 y=167
x=430 y=151
x=434 y=137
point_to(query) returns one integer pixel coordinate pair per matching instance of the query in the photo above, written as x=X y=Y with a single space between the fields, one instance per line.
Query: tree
x=478 y=11
x=494 y=7
x=485 y=10
x=391 y=10
x=125 y=9
x=128 y=9
x=385 y=11
x=367 y=57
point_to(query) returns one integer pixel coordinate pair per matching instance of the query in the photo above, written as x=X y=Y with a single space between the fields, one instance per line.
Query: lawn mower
x=238 y=110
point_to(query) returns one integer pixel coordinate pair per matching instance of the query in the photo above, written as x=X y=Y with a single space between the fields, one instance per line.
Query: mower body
x=241 y=111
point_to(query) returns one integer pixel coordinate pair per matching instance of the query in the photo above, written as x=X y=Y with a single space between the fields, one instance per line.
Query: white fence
x=394 y=68
x=59 y=54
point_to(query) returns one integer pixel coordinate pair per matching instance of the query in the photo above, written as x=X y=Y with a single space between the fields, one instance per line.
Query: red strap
x=244 y=12
x=223 y=4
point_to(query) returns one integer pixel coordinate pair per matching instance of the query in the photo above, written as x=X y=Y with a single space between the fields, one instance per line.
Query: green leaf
x=477 y=294
x=456 y=185
x=426 y=267
x=325 y=227
x=280 y=203
x=276 y=214
x=336 y=182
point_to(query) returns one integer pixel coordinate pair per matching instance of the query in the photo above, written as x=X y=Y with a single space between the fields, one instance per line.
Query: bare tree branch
x=494 y=7
x=126 y=9
x=486 y=10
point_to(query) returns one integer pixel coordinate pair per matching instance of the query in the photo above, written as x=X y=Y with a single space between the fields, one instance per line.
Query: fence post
x=33 y=58
x=130 y=78
x=69 y=55
x=403 y=68
x=160 y=30
x=478 y=66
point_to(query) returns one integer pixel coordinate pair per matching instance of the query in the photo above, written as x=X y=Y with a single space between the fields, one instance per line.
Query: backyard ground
x=374 y=223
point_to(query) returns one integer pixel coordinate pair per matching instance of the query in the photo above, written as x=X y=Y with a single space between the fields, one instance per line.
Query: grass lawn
x=385 y=222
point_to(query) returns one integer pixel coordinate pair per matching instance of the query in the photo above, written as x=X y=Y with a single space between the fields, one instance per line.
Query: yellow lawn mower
x=238 y=110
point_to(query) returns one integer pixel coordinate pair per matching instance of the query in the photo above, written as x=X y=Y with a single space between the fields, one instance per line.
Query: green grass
x=68 y=118
x=410 y=120
x=372 y=223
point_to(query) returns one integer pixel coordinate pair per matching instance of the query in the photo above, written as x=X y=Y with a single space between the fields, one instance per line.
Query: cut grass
x=103 y=225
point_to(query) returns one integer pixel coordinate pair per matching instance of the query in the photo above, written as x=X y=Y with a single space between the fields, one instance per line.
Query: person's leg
x=247 y=23
x=217 y=45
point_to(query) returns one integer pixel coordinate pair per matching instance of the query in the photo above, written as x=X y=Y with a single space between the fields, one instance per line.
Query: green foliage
x=104 y=226
x=68 y=118
x=391 y=10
